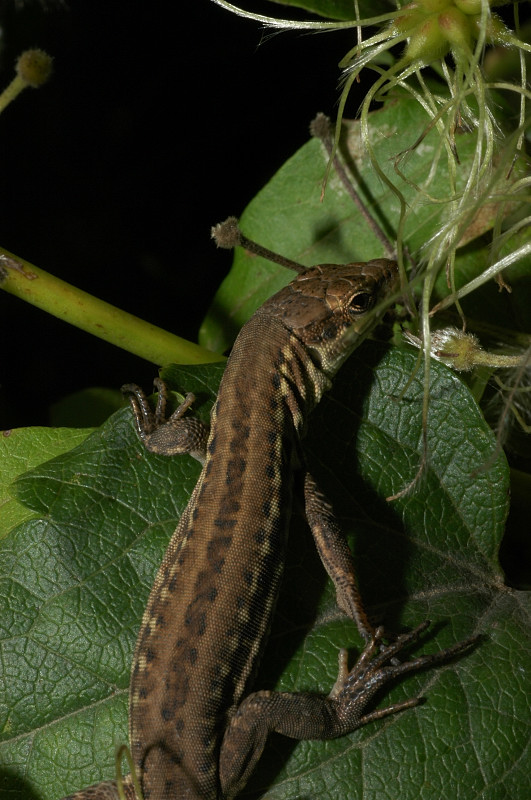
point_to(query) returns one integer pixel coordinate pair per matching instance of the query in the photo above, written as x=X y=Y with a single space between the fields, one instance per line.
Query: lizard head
x=330 y=307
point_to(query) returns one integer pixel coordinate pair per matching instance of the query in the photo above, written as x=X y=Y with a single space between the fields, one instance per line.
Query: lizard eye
x=361 y=303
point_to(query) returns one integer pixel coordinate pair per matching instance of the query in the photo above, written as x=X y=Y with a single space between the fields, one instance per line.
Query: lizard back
x=219 y=579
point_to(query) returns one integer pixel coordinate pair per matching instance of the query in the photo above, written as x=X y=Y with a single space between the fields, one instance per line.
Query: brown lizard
x=196 y=731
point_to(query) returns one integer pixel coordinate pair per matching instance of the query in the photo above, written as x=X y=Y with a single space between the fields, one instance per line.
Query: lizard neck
x=269 y=362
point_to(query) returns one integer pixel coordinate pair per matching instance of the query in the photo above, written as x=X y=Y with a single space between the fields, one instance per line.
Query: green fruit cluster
x=434 y=27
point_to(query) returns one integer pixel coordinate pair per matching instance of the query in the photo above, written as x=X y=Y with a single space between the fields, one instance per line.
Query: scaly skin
x=195 y=730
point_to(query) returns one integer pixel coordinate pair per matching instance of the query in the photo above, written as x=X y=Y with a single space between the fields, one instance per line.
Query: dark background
x=161 y=119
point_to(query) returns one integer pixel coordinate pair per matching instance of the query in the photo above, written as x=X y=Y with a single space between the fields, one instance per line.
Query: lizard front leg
x=335 y=554
x=308 y=716
x=170 y=436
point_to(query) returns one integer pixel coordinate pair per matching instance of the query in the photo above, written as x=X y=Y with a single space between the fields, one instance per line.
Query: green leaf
x=89 y=407
x=431 y=554
x=288 y=216
x=21 y=450
x=77 y=575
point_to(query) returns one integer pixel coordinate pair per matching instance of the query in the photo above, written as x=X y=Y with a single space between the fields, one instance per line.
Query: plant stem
x=97 y=317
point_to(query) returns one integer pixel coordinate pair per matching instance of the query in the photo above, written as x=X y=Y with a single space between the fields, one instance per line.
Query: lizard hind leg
x=376 y=666
x=123 y=788
x=312 y=716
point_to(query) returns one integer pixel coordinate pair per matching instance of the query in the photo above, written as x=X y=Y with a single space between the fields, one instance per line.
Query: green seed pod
x=455 y=26
x=411 y=18
x=435 y=5
x=427 y=43
x=469 y=6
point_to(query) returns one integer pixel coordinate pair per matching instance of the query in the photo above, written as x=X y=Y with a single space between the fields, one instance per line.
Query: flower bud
x=34 y=67
x=453 y=347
